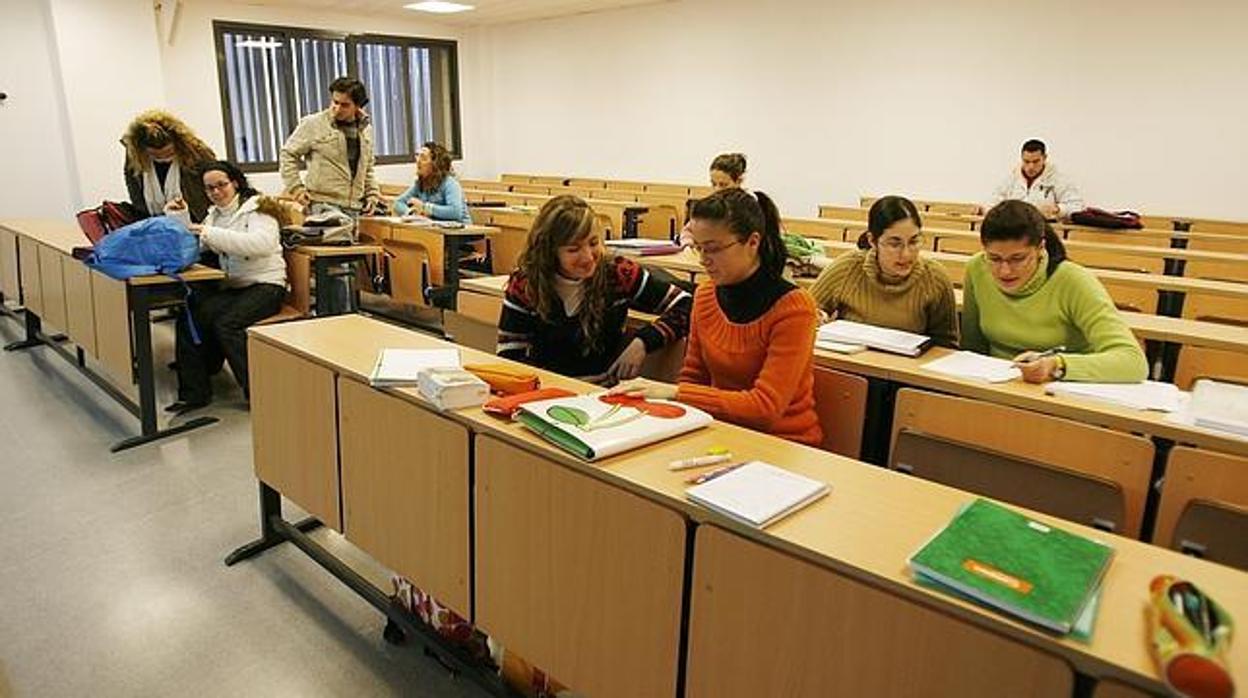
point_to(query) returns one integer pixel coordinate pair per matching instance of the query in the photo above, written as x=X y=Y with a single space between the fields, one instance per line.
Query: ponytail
x=746 y=213
x=864 y=240
x=1019 y=220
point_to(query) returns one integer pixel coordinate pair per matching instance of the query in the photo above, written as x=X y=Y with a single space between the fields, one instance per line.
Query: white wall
x=190 y=65
x=1143 y=103
x=39 y=176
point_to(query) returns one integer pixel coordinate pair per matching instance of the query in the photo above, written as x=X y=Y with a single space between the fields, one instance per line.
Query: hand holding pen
x=1042 y=366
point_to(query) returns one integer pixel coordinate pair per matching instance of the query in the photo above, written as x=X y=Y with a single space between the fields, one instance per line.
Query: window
x=270 y=77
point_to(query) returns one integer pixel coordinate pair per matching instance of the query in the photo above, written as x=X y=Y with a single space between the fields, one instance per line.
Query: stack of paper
x=839 y=347
x=1003 y=559
x=968 y=364
x=1221 y=406
x=642 y=247
x=882 y=338
x=402 y=367
x=1148 y=395
x=757 y=493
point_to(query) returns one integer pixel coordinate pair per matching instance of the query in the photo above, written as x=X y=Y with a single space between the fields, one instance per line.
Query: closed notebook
x=1219 y=405
x=402 y=367
x=757 y=494
x=1003 y=559
x=881 y=338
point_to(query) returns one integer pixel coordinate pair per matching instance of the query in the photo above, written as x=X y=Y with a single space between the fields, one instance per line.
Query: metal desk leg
x=34 y=326
x=140 y=326
x=270 y=513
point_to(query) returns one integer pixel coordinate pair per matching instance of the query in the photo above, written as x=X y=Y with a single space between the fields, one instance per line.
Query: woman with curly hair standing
x=163 y=157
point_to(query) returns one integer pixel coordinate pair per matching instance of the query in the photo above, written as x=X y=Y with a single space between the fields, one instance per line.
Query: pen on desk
x=708 y=476
x=1036 y=356
x=699 y=461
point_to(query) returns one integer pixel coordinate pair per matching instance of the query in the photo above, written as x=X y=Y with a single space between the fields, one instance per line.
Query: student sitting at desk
x=727 y=170
x=1023 y=299
x=749 y=359
x=162 y=160
x=435 y=193
x=243 y=228
x=565 y=307
x=887 y=282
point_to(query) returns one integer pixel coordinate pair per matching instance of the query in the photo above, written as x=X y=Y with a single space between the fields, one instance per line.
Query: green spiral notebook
x=1003 y=559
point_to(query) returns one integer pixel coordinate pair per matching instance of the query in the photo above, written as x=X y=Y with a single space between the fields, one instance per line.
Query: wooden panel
x=844 y=213
x=1125 y=459
x=433 y=242
x=578 y=577
x=52 y=286
x=958 y=245
x=1224 y=271
x=409 y=271
x=1229 y=243
x=506 y=246
x=294 y=430
x=406 y=508
x=79 y=305
x=667 y=188
x=1194 y=474
x=32 y=292
x=112 y=327
x=815 y=228
x=299 y=276
x=1113 y=689
x=766 y=624
x=481 y=307
x=1202 y=362
x=1101 y=259
x=10 y=283
x=470 y=332
x=1133 y=299
x=1120 y=237
x=841 y=402
x=1209 y=308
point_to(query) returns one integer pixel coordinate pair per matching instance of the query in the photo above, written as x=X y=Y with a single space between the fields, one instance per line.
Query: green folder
x=1005 y=560
x=555 y=435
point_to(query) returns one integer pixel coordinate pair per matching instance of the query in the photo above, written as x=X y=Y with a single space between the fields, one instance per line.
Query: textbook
x=1221 y=406
x=882 y=338
x=1003 y=559
x=601 y=425
x=757 y=493
x=968 y=364
x=1145 y=395
x=401 y=367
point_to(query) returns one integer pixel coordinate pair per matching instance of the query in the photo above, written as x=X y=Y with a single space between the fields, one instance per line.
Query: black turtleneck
x=747 y=300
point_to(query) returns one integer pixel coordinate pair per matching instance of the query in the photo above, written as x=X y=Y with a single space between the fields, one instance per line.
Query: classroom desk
x=107 y=319
x=322 y=259
x=591 y=570
x=442 y=244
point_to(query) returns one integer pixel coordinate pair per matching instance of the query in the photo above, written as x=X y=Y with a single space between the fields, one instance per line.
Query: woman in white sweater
x=244 y=228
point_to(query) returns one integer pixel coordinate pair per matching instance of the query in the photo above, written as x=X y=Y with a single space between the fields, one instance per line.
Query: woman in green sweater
x=887 y=282
x=1022 y=299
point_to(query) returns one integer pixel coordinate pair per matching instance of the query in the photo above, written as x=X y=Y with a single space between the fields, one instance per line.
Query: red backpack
x=1100 y=218
x=105 y=218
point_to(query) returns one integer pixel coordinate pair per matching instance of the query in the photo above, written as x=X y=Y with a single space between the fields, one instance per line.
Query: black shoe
x=182 y=406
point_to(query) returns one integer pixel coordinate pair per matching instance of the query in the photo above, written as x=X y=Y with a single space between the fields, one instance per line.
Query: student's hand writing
x=645 y=388
x=1036 y=368
x=628 y=364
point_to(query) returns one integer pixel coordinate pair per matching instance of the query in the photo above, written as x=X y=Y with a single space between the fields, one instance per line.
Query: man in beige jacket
x=336 y=145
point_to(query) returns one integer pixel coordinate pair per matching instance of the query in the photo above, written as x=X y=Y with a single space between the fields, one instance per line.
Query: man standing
x=1038 y=183
x=336 y=145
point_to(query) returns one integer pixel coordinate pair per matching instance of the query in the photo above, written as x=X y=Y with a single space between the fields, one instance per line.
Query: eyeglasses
x=1013 y=261
x=897 y=244
x=711 y=250
x=217 y=186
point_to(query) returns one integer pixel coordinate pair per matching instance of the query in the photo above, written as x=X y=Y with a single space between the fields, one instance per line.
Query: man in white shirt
x=1038 y=182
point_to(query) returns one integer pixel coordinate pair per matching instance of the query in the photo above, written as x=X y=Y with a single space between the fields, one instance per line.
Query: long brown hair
x=565 y=220
x=441 y=158
x=156 y=129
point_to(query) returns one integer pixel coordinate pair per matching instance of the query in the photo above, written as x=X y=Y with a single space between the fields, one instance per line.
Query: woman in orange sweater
x=749 y=359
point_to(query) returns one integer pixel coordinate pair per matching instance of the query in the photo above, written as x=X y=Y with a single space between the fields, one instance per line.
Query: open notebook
x=597 y=426
x=968 y=364
x=401 y=367
x=847 y=332
x=757 y=493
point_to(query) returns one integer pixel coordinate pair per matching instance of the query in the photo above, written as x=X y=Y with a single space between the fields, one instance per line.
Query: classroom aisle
x=111 y=581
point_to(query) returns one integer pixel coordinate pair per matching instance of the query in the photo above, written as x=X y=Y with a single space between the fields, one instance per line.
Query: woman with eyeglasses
x=1023 y=300
x=566 y=306
x=749 y=360
x=243 y=227
x=887 y=282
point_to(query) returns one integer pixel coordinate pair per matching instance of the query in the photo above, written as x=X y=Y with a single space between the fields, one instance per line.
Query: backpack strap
x=190 y=317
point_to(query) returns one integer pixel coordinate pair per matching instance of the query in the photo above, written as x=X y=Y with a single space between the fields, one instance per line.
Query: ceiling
x=486 y=12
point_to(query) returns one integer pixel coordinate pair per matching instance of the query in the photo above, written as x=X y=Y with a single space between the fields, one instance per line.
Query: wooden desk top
x=468 y=230
x=338 y=250
x=866 y=529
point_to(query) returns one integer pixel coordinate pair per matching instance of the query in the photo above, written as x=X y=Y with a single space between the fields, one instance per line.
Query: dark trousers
x=222 y=316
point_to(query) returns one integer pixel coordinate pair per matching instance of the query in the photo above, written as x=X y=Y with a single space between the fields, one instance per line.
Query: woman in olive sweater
x=1022 y=299
x=887 y=282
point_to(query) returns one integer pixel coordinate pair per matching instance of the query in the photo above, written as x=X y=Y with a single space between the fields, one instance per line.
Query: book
x=452 y=388
x=1146 y=395
x=1221 y=406
x=1005 y=560
x=641 y=247
x=597 y=426
x=882 y=338
x=401 y=367
x=968 y=364
x=839 y=347
x=757 y=493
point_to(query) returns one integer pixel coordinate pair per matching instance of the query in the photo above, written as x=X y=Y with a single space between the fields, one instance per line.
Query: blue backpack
x=157 y=245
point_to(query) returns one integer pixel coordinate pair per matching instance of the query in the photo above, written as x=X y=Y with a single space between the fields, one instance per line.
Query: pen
x=699 y=461
x=1041 y=355
x=707 y=477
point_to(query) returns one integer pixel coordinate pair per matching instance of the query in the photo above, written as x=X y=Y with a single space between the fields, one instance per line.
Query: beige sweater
x=854 y=288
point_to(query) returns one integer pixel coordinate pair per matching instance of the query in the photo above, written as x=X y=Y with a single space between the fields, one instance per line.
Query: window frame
x=221 y=27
